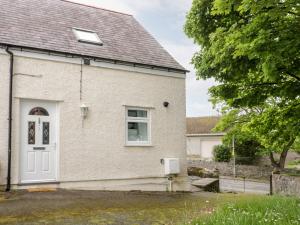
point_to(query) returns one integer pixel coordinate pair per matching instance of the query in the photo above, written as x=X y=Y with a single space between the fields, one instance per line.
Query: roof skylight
x=87 y=36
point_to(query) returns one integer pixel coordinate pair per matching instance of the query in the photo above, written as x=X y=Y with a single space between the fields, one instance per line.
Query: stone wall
x=226 y=169
x=286 y=185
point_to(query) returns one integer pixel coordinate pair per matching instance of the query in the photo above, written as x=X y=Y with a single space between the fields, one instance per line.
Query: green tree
x=247 y=147
x=252 y=49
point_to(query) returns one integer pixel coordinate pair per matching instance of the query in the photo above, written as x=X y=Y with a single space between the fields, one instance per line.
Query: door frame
x=57 y=135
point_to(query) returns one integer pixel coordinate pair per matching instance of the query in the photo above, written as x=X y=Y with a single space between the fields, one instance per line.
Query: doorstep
x=39 y=187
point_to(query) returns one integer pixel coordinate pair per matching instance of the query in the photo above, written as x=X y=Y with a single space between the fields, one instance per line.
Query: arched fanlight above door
x=38 y=111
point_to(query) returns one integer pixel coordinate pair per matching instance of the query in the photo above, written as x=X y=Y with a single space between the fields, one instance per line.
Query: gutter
x=11 y=71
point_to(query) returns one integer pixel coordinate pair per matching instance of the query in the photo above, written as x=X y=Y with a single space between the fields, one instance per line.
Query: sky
x=164 y=19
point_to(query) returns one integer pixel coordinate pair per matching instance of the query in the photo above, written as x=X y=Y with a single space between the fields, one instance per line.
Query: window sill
x=138 y=145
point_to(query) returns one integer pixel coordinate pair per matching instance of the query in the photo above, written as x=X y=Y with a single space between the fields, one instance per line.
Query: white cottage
x=89 y=100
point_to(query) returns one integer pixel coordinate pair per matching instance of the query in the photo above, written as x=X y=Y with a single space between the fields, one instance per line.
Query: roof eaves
x=113 y=61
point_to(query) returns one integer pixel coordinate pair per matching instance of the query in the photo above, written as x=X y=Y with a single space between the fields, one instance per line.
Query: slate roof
x=47 y=25
x=201 y=125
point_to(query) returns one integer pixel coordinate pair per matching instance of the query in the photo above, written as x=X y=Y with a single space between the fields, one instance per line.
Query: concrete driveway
x=96 y=207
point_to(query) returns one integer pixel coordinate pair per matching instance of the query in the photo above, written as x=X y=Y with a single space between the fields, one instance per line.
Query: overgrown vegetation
x=222 y=153
x=250 y=210
x=252 y=49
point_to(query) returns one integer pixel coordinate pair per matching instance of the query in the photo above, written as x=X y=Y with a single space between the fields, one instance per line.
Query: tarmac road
x=230 y=184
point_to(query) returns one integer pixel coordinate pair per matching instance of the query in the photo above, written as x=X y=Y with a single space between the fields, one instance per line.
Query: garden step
x=207 y=184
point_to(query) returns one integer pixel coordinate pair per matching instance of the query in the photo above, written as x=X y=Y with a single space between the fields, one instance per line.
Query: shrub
x=222 y=153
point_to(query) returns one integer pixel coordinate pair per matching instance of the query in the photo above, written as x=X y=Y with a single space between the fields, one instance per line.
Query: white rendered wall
x=97 y=151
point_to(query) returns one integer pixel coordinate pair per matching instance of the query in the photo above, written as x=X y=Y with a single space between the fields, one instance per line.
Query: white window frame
x=147 y=120
x=98 y=42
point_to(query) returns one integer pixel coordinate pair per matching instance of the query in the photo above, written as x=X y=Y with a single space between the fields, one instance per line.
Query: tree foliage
x=252 y=49
x=247 y=147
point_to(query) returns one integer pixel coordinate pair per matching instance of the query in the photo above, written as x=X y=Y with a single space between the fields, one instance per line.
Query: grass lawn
x=145 y=208
x=253 y=210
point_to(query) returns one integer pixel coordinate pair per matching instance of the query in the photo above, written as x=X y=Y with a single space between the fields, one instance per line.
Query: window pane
x=38 y=111
x=87 y=36
x=46 y=133
x=31 y=133
x=137 y=131
x=137 y=113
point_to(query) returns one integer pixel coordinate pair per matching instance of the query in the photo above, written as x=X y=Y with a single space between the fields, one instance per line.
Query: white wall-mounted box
x=171 y=166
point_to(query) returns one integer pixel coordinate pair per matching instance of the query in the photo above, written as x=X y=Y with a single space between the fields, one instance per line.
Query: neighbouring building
x=200 y=139
x=94 y=101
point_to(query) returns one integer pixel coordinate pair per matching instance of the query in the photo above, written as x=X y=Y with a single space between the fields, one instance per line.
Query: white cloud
x=119 y=6
x=182 y=52
x=135 y=6
x=197 y=98
x=132 y=7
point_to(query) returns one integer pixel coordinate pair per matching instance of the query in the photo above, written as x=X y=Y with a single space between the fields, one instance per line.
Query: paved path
x=249 y=186
x=103 y=208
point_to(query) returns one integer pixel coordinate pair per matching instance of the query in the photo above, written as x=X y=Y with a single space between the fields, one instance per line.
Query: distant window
x=87 y=36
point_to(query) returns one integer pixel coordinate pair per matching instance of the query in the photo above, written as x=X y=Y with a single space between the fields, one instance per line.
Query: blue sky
x=164 y=19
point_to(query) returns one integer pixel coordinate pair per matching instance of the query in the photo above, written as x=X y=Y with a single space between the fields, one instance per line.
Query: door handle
x=39 y=148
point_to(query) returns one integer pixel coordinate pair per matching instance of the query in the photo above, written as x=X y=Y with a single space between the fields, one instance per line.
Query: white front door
x=38 y=141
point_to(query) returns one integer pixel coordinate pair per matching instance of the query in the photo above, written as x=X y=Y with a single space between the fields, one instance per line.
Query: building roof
x=48 y=24
x=201 y=125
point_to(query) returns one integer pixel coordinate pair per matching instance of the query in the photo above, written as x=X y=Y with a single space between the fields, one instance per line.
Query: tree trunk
x=280 y=164
x=285 y=152
x=283 y=158
x=273 y=161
